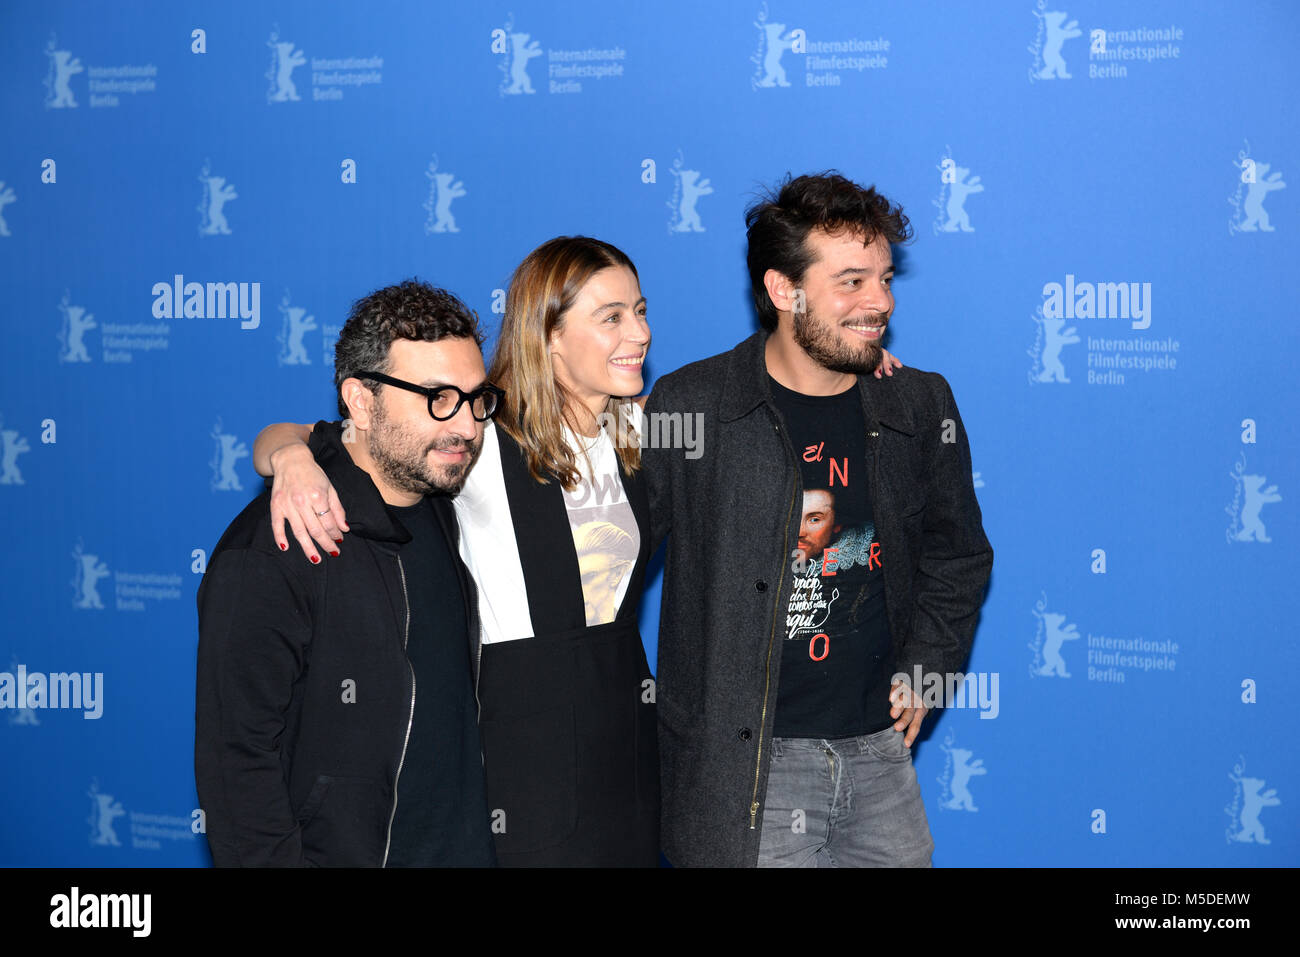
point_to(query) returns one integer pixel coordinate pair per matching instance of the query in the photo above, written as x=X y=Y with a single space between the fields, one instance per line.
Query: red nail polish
x=339 y=541
x=334 y=554
x=284 y=548
x=315 y=559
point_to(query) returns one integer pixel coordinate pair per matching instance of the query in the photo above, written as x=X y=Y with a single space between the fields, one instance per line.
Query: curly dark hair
x=781 y=219
x=410 y=310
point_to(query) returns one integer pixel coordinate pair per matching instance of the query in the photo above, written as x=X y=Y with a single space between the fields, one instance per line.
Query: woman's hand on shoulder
x=888 y=363
x=303 y=496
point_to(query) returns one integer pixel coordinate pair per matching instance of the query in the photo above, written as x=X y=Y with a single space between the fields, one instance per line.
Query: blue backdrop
x=1103 y=225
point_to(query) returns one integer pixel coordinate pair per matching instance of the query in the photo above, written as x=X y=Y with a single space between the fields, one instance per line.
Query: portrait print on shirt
x=605 y=534
x=840 y=573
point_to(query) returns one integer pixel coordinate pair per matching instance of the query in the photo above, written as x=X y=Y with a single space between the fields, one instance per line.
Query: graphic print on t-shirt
x=837 y=655
x=605 y=534
x=827 y=552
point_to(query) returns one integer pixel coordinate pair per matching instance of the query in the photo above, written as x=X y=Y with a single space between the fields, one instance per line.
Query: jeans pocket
x=888 y=745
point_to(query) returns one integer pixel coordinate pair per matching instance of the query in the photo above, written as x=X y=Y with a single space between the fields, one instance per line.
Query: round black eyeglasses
x=445 y=400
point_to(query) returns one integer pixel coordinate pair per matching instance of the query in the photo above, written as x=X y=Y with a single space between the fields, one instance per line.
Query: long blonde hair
x=537 y=407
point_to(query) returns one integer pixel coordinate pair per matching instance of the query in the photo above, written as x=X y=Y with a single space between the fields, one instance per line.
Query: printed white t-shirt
x=606 y=538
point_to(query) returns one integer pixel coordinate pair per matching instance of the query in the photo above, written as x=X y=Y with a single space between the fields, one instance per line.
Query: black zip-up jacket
x=732 y=520
x=305 y=695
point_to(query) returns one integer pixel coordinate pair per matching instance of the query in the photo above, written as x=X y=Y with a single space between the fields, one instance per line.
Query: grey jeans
x=849 y=802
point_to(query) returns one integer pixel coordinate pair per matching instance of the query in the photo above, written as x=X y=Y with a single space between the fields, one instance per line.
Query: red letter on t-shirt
x=843 y=471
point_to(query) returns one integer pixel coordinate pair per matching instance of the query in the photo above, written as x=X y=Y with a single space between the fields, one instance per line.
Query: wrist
x=285 y=454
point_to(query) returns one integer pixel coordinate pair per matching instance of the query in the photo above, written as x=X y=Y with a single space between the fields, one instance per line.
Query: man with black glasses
x=336 y=722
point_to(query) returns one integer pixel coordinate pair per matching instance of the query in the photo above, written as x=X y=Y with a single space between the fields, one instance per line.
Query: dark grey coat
x=732 y=521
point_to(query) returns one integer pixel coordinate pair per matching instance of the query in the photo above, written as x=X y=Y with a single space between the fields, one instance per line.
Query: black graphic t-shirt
x=837 y=657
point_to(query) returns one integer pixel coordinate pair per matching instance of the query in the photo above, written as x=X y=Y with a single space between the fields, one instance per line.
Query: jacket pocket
x=315 y=798
x=912 y=510
x=530 y=763
x=344 y=821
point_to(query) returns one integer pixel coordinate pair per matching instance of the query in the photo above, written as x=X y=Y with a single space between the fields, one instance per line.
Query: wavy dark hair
x=410 y=310
x=781 y=219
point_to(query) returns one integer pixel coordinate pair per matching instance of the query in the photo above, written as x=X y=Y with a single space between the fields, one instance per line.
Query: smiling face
x=413 y=452
x=599 y=348
x=847 y=301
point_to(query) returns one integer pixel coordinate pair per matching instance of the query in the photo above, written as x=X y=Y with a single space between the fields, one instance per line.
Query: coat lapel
x=552 y=579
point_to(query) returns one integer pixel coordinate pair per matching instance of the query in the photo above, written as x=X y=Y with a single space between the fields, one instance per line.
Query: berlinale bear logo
x=63 y=67
x=284 y=60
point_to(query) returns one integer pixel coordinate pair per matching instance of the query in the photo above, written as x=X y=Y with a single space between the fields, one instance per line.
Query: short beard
x=402 y=458
x=827 y=350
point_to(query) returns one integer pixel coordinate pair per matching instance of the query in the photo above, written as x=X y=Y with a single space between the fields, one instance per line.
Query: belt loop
x=777 y=750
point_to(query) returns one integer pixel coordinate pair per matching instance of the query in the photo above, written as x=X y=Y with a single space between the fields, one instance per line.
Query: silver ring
x=326 y=512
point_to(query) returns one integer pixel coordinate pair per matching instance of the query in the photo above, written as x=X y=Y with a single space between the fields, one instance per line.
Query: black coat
x=305 y=695
x=732 y=521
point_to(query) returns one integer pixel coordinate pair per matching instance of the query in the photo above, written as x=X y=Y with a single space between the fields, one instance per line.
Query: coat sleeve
x=657 y=464
x=956 y=558
x=254 y=630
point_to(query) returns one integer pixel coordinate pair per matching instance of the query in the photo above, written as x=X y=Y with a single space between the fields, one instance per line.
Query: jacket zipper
x=767 y=673
x=406 y=634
